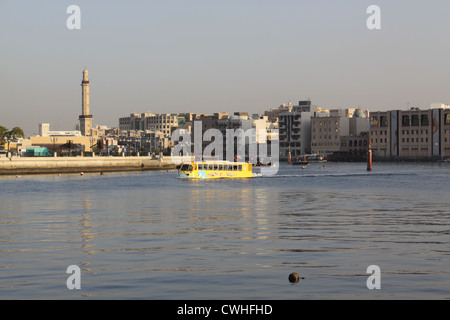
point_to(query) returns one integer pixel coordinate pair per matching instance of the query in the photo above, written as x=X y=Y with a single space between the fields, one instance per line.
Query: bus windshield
x=186 y=167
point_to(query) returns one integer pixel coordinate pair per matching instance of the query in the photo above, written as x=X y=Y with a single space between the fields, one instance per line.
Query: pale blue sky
x=217 y=56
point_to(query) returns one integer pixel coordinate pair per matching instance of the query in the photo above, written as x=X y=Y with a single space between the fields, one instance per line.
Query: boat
x=300 y=161
x=215 y=170
x=314 y=158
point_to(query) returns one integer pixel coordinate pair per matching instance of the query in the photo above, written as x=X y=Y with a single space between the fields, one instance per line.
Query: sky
x=207 y=56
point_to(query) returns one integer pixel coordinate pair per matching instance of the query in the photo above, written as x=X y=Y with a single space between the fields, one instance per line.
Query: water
x=151 y=235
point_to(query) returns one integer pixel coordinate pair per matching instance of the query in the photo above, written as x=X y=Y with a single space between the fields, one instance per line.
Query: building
x=135 y=122
x=85 y=117
x=411 y=134
x=149 y=121
x=164 y=122
x=326 y=134
x=295 y=130
x=143 y=142
x=43 y=129
x=273 y=113
x=340 y=132
x=64 y=144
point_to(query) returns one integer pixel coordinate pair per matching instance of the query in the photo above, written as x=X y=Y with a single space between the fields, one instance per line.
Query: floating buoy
x=17 y=176
x=294 y=277
x=81 y=173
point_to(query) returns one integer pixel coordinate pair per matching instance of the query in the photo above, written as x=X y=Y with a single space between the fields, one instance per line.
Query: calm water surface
x=153 y=236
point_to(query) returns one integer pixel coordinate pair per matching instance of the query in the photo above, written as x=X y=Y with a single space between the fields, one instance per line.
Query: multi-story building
x=149 y=121
x=43 y=129
x=161 y=122
x=274 y=113
x=340 y=131
x=135 y=122
x=410 y=133
x=326 y=134
x=295 y=130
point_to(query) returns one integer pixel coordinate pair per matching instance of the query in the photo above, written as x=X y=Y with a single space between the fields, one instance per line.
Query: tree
x=16 y=133
x=3 y=130
x=9 y=135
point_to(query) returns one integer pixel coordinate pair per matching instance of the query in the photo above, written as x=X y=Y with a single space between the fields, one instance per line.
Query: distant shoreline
x=60 y=165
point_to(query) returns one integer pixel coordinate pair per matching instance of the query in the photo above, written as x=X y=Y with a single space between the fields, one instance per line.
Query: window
x=405 y=121
x=186 y=167
x=220 y=167
x=447 y=119
x=240 y=167
x=424 y=120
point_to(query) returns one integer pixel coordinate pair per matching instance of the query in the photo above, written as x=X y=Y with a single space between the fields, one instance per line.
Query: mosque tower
x=85 y=117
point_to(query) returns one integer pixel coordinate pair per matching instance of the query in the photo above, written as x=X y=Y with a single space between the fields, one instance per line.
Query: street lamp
x=54 y=139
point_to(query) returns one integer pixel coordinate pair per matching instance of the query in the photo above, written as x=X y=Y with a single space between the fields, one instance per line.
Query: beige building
x=343 y=131
x=161 y=122
x=326 y=134
x=43 y=129
x=135 y=122
x=410 y=133
x=56 y=143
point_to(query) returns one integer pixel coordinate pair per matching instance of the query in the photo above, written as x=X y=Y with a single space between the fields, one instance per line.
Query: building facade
x=413 y=134
x=340 y=132
x=295 y=130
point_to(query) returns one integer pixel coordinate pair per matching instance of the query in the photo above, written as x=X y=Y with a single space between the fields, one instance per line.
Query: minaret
x=85 y=117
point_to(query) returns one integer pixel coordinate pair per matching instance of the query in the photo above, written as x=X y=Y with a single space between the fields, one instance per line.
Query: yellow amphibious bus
x=215 y=170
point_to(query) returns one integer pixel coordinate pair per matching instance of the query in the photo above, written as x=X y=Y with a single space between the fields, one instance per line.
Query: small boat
x=215 y=170
x=315 y=158
x=300 y=161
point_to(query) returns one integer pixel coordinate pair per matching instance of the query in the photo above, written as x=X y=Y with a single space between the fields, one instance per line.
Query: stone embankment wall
x=23 y=165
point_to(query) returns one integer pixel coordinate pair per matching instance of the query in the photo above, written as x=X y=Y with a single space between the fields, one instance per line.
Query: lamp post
x=54 y=139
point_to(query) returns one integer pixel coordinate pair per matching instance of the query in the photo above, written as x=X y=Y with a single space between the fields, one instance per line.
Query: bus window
x=215 y=167
x=210 y=167
x=185 y=167
x=240 y=167
x=235 y=168
x=220 y=167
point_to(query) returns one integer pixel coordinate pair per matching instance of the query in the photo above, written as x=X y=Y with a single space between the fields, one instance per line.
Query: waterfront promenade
x=56 y=165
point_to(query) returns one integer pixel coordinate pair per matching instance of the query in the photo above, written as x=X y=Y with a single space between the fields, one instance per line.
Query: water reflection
x=151 y=230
